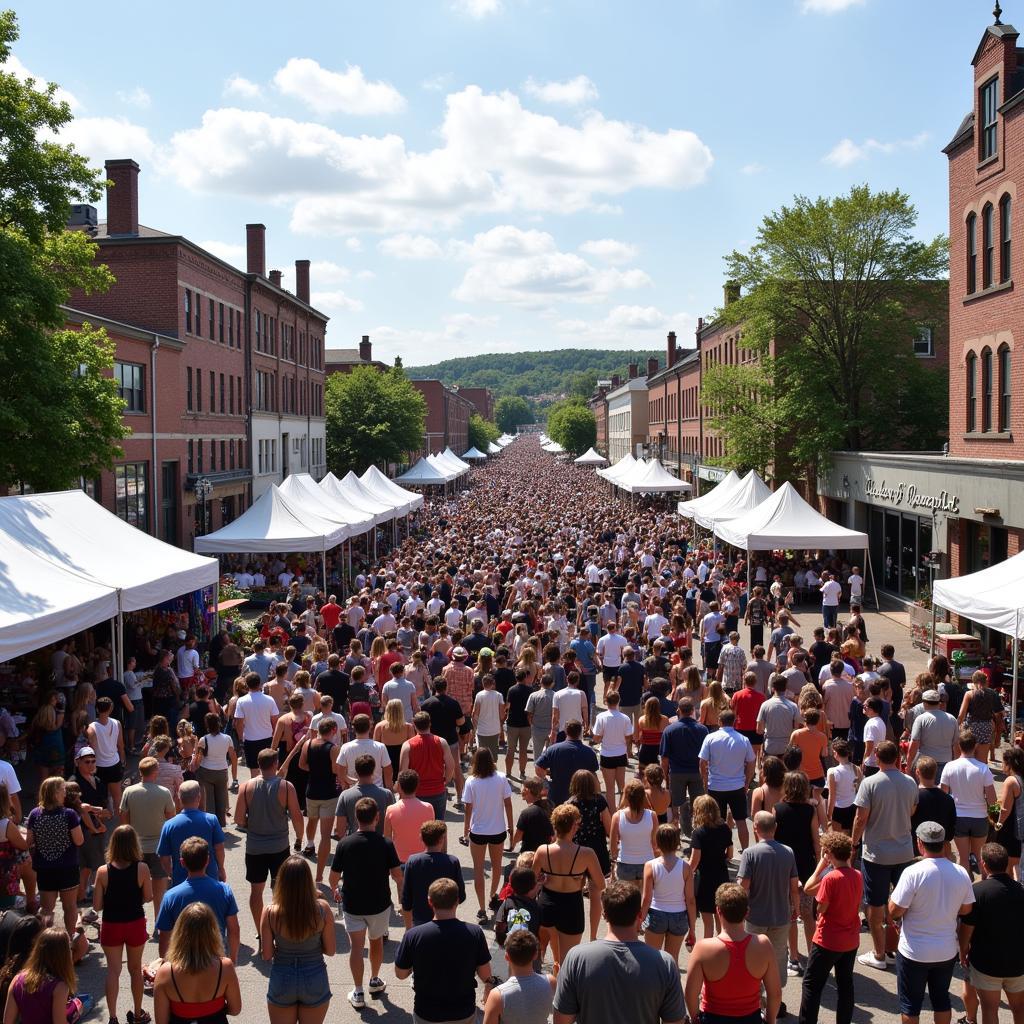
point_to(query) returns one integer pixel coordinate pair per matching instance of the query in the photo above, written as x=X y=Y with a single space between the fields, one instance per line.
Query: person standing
x=726 y=768
x=929 y=897
x=106 y=738
x=422 y=869
x=712 y=626
x=755 y=616
x=970 y=783
x=562 y=760
x=680 y=761
x=215 y=754
x=431 y=758
x=317 y=761
x=517 y=721
x=365 y=862
x=933 y=734
x=488 y=715
x=527 y=996
x=256 y=715
x=777 y=717
x=612 y=730
x=488 y=822
x=837 y=696
x=732 y=663
x=345 y=810
x=609 y=654
x=191 y=821
x=540 y=706
x=446 y=719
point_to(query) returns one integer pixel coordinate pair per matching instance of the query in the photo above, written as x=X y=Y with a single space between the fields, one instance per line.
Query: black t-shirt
x=535 y=826
x=300 y=642
x=444 y=712
x=443 y=957
x=933 y=804
x=334 y=682
x=631 y=683
x=517 y=698
x=821 y=652
x=93 y=793
x=504 y=680
x=756 y=610
x=115 y=691
x=996 y=913
x=420 y=870
x=343 y=635
x=365 y=860
x=475 y=643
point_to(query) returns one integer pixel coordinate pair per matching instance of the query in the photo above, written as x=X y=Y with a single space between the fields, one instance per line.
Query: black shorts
x=466 y=728
x=478 y=840
x=734 y=800
x=252 y=750
x=112 y=774
x=57 y=879
x=614 y=762
x=562 y=911
x=843 y=816
x=609 y=674
x=756 y=739
x=259 y=865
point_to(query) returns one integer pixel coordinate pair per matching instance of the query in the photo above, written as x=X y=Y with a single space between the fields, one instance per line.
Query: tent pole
x=1016 y=672
x=323 y=564
x=119 y=667
x=216 y=607
x=375 y=543
x=874 y=586
x=113 y=646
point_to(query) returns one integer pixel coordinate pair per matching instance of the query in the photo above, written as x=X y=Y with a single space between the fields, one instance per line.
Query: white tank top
x=635 y=838
x=669 y=886
x=215 y=751
x=106 y=742
x=843 y=779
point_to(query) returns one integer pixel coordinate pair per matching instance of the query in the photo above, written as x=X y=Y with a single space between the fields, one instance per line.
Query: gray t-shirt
x=348 y=800
x=769 y=866
x=399 y=689
x=935 y=732
x=780 y=717
x=890 y=797
x=609 y=982
x=539 y=704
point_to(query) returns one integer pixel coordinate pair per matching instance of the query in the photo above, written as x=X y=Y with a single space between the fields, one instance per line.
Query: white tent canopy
x=553 y=447
x=785 y=520
x=377 y=483
x=445 y=466
x=493 y=448
x=360 y=496
x=992 y=597
x=340 y=495
x=303 y=493
x=425 y=472
x=709 y=502
x=454 y=459
x=591 y=458
x=655 y=479
x=473 y=453
x=743 y=498
x=621 y=468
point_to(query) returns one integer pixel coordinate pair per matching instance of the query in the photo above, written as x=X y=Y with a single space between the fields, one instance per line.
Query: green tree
x=841 y=286
x=583 y=384
x=510 y=411
x=573 y=426
x=373 y=416
x=60 y=412
x=481 y=432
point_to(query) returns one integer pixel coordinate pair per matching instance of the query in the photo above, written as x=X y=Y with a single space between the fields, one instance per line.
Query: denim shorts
x=913 y=977
x=879 y=880
x=629 y=872
x=661 y=921
x=298 y=983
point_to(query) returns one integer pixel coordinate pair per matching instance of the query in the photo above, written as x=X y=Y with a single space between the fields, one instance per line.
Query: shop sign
x=712 y=473
x=897 y=494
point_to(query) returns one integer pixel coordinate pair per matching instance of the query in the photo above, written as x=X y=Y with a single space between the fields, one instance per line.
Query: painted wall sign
x=897 y=494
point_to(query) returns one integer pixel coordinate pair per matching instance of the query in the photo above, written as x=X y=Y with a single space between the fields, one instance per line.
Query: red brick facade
x=447 y=420
x=673 y=419
x=481 y=399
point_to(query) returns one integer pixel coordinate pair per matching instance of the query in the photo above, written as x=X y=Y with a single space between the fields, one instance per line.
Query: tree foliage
x=510 y=411
x=841 y=286
x=572 y=425
x=60 y=412
x=482 y=432
x=373 y=416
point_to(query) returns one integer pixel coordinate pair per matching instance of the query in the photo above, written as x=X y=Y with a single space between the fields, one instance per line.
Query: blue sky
x=497 y=175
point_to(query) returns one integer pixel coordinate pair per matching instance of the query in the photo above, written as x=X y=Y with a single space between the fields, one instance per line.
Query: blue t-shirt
x=681 y=743
x=631 y=684
x=562 y=761
x=201 y=889
x=190 y=822
x=584 y=651
x=727 y=754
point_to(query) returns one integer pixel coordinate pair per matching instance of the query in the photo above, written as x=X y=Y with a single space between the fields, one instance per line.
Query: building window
x=231 y=395
x=199 y=456
x=199 y=390
x=188 y=310
x=220 y=323
x=1005 y=392
x=188 y=388
x=1005 y=234
x=222 y=406
x=212 y=312
x=231 y=329
x=989 y=104
x=231 y=452
x=213 y=456
x=988 y=243
x=258 y=335
x=924 y=342
x=986 y=390
x=972 y=254
x=191 y=456
x=972 y=387
x=213 y=391
x=131 y=385
x=223 y=455
x=131 y=493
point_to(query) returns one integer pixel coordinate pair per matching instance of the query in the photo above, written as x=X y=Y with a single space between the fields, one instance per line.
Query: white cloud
x=103 y=138
x=827 y=6
x=847 y=152
x=353 y=244
x=137 y=97
x=326 y=275
x=610 y=250
x=229 y=252
x=752 y=168
x=624 y=325
x=477 y=8
x=571 y=93
x=411 y=247
x=438 y=83
x=15 y=67
x=241 y=87
x=334 y=92
x=335 y=301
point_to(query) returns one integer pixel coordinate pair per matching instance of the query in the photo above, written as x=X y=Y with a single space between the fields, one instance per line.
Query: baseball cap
x=930 y=832
x=85 y=752
x=460 y=652
x=931 y=697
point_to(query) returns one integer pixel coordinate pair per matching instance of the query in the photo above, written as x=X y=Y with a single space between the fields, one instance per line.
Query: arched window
x=988 y=244
x=1005 y=393
x=972 y=392
x=986 y=390
x=972 y=253
x=1005 y=233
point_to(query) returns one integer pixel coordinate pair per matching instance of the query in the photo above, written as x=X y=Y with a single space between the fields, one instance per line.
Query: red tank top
x=426 y=758
x=737 y=993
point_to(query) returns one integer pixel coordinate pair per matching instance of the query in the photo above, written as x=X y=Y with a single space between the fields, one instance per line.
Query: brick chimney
x=256 y=249
x=275 y=278
x=671 y=349
x=632 y=371
x=302 y=280
x=122 y=197
x=731 y=292
x=652 y=366
x=616 y=380
x=365 y=349
x=700 y=327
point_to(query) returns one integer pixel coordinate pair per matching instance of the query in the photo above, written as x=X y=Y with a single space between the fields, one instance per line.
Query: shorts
x=706 y=1017
x=843 y=816
x=466 y=728
x=632 y=712
x=987 y=983
x=155 y=865
x=755 y=738
x=135 y=720
x=252 y=750
x=618 y=761
x=806 y=903
x=661 y=922
x=518 y=736
x=113 y=773
x=487 y=840
x=320 y=808
x=488 y=743
x=375 y=925
x=610 y=674
x=129 y=933
x=92 y=853
x=982 y=731
x=629 y=872
x=879 y=880
x=259 y=865
x=562 y=911
x=57 y=879
x=734 y=800
x=295 y=982
x=976 y=828
x=913 y=977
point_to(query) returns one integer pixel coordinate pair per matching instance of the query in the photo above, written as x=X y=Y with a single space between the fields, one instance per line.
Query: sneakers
x=357 y=999
x=377 y=985
x=890 y=959
x=794 y=969
x=869 y=960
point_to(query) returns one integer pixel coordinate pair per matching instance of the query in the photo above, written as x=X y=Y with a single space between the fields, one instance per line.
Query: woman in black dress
x=797 y=828
x=595 y=818
x=710 y=853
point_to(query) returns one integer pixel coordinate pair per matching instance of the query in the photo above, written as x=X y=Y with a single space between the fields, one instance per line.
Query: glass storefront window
x=891 y=553
x=924 y=548
x=908 y=558
x=899 y=545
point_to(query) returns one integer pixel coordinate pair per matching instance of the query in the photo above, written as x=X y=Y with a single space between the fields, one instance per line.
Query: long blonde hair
x=195 y=942
x=295 y=910
x=717 y=696
x=692 y=682
x=50 y=958
x=379 y=647
x=394 y=715
x=651 y=718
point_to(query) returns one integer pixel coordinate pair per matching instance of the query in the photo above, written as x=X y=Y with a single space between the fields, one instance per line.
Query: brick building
x=344 y=360
x=447 y=420
x=673 y=416
x=598 y=405
x=482 y=401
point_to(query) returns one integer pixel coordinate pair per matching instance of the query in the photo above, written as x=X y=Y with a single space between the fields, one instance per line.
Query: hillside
x=540 y=376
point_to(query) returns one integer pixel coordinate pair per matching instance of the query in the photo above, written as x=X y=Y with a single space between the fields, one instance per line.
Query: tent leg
x=113 y=648
x=323 y=566
x=375 y=543
x=874 y=587
x=119 y=665
x=1016 y=672
x=216 y=607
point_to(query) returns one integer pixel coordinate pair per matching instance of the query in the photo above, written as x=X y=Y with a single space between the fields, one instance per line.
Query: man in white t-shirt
x=609 y=653
x=614 y=731
x=874 y=733
x=385 y=622
x=188 y=658
x=453 y=616
x=653 y=623
x=830 y=591
x=365 y=744
x=488 y=715
x=973 y=789
x=256 y=715
x=856 y=582
x=354 y=613
x=570 y=705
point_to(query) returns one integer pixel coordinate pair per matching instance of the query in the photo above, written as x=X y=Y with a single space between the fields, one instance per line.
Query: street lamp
x=932 y=561
x=203 y=489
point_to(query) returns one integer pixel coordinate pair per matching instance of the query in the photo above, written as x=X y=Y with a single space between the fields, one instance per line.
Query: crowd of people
x=700 y=820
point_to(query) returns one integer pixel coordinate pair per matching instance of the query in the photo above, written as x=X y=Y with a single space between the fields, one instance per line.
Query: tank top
x=267 y=825
x=525 y=999
x=34 y=1007
x=426 y=758
x=737 y=993
x=1018 y=808
x=215 y=751
x=668 y=895
x=635 y=838
x=308 y=949
x=106 y=743
x=650 y=737
x=321 y=784
x=211 y=1011
x=122 y=901
x=843 y=778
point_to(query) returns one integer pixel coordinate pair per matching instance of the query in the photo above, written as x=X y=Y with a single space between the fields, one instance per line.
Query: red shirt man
x=747 y=703
x=331 y=613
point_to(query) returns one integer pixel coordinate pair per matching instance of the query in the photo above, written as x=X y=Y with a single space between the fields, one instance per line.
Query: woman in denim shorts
x=669 y=908
x=296 y=933
x=632 y=838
